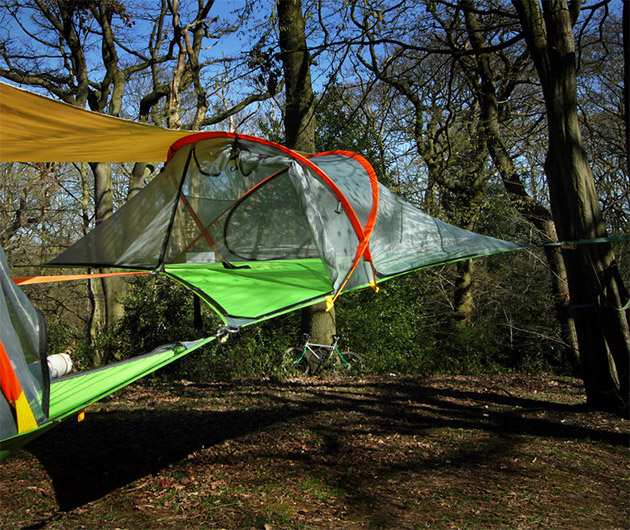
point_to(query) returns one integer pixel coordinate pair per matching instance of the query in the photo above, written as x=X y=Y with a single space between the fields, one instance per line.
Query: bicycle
x=313 y=358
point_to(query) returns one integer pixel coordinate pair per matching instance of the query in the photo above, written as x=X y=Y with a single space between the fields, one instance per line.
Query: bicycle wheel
x=294 y=362
x=349 y=364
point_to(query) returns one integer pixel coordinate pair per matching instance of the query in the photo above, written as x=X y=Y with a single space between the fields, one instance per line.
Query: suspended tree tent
x=31 y=403
x=254 y=228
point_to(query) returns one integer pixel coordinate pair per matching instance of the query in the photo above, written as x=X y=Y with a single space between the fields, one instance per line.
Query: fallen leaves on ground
x=377 y=452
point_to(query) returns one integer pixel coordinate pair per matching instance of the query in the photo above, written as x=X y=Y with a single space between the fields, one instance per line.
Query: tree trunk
x=463 y=296
x=562 y=301
x=482 y=80
x=540 y=218
x=299 y=124
x=85 y=217
x=107 y=292
x=140 y=172
x=626 y=76
x=299 y=120
x=595 y=286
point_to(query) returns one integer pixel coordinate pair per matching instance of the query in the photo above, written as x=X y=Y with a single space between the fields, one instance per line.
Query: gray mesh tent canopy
x=256 y=229
x=25 y=384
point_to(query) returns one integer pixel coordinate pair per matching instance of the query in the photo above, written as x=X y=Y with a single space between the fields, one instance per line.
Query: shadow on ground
x=113 y=448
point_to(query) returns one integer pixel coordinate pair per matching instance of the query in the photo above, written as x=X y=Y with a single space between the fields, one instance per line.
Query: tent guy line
x=30 y=280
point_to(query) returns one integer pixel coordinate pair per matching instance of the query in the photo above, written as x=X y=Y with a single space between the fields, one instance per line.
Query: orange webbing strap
x=330 y=300
x=70 y=277
x=12 y=390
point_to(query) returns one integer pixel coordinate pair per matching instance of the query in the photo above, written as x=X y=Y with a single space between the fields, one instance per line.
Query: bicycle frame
x=329 y=350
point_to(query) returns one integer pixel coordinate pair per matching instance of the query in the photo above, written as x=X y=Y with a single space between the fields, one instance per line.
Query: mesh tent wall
x=24 y=382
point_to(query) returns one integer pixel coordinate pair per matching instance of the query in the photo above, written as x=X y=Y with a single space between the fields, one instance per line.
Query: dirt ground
x=328 y=453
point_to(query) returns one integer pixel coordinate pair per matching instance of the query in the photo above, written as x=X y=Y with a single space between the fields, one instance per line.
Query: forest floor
x=321 y=453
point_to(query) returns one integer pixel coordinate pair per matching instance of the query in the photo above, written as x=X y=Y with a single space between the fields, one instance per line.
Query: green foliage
x=518 y=306
x=256 y=351
x=407 y=329
x=157 y=311
x=271 y=128
x=471 y=350
x=343 y=124
x=390 y=329
x=59 y=336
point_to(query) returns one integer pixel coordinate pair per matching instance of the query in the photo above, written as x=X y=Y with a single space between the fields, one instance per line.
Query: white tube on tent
x=59 y=365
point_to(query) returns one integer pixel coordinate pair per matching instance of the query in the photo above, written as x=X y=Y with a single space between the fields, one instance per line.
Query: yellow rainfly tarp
x=35 y=128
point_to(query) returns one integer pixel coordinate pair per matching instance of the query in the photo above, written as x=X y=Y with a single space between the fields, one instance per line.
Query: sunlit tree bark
x=480 y=75
x=300 y=128
x=596 y=289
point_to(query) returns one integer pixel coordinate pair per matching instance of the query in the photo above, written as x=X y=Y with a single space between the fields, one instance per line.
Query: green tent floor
x=71 y=394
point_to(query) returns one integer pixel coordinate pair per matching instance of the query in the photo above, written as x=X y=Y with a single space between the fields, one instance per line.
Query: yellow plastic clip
x=81 y=416
x=330 y=303
x=374 y=286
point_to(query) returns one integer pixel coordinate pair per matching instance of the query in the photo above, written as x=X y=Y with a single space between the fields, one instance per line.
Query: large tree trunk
x=482 y=79
x=107 y=292
x=299 y=124
x=141 y=171
x=626 y=76
x=595 y=285
x=299 y=120
x=463 y=295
